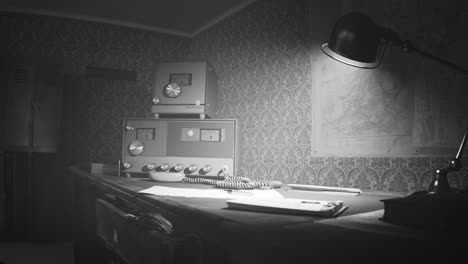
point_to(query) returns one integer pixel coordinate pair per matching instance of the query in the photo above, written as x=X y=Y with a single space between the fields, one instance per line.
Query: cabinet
x=130 y=238
x=34 y=193
x=111 y=225
x=36 y=198
x=32 y=103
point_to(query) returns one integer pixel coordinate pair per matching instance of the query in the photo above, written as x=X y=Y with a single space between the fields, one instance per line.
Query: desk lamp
x=357 y=41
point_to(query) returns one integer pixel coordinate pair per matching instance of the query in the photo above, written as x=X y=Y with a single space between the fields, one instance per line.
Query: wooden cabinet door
x=46 y=105
x=18 y=110
x=33 y=105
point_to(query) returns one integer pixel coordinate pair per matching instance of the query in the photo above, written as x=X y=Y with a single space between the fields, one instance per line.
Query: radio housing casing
x=161 y=144
x=198 y=86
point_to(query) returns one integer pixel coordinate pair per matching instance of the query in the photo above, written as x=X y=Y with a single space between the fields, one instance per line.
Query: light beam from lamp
x=357 y=41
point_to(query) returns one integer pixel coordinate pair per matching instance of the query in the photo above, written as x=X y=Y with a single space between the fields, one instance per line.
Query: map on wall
x=411 y=108
x=411 y=104
x=440 y=109
x=365 y=103
x=362 y=112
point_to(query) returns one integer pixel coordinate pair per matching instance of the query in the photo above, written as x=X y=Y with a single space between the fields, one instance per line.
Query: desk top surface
x=218 y=208
x=358 y=227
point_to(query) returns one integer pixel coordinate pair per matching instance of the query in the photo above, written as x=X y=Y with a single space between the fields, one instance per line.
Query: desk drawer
x=129 y=237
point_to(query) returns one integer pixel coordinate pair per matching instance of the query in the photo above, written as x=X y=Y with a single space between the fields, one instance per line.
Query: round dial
x=172 y=90
x=136 y=147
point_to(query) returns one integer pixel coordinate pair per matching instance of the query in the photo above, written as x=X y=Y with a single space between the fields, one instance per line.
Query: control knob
x=192 y=168
x=164 y=167
x=207 y=168
x=172 y=90
x=178 y=167
x=135 y=148
x=151 y=166
x=127 y=165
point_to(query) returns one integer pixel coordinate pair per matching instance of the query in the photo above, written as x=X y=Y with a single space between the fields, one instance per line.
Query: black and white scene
x=233 y=131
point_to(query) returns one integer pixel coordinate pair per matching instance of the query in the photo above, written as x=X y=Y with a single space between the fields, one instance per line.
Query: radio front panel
x=196 y=139
x=195 y=147
x=190 y=77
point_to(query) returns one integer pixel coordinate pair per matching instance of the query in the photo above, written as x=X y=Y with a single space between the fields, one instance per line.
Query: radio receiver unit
x=205 y=147
x=185 y=88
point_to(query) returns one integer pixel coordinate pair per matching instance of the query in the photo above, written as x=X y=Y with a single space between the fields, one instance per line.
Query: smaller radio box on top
x=188 y=87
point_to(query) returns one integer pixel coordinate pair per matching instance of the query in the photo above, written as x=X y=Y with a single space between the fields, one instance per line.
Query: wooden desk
x=205 y=231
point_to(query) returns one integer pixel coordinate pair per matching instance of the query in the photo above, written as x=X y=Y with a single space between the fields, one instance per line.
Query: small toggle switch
x=224 y=170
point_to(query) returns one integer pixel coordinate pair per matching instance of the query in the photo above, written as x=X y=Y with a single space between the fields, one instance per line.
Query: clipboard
x=289 y=206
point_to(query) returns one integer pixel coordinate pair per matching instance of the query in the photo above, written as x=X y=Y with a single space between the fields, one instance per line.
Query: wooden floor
x=27 y=253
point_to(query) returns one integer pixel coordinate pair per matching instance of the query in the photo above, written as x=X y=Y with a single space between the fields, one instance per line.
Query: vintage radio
x=204 y=147
x=188 y=87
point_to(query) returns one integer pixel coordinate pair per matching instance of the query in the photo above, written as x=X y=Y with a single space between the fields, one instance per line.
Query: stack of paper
x=211 y=193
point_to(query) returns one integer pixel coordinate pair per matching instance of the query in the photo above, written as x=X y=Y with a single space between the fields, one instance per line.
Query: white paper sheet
x=211 y=193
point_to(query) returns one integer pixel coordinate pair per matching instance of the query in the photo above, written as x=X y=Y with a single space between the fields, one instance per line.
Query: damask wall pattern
x=263 y=59
x=93 y=108
x=263 y=62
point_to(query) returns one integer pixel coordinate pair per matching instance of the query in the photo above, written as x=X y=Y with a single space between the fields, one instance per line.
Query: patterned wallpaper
x=266 y=69
x=267 y=80
x=263 y=66
x=93 y=108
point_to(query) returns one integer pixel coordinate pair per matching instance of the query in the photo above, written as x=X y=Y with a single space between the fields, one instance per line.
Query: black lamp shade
x=355 y=40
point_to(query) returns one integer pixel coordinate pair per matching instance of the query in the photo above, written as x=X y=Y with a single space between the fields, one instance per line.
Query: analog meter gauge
x=136 y=148
x=172 y=90
x=145 y=133
x=182 y=79
x=210 y=135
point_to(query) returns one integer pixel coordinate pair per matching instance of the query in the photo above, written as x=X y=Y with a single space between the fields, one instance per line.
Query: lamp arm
x=456 y=164
x=407 y=47
x=439 y=182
